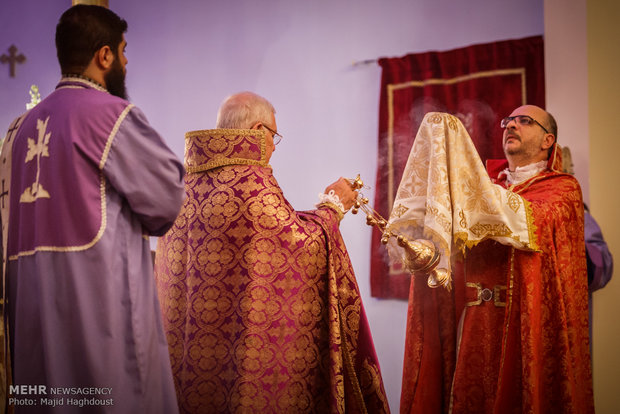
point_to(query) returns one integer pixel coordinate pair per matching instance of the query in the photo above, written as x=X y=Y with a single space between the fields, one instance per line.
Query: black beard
x=115 y=80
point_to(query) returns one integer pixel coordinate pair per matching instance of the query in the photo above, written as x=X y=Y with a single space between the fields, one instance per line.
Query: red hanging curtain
x=481 y=84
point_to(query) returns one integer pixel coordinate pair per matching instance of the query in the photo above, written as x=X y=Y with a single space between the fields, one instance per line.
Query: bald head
x=529 y=134
x=540 y=115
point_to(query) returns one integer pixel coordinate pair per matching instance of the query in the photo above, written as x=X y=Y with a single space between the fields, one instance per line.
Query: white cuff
x=331 y=198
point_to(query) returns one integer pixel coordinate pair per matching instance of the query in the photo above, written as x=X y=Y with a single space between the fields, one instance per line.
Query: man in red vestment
x=261 y=307
x=512 y=336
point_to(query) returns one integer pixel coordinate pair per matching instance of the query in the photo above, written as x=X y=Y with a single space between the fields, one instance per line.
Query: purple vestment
x=90 y=181
x=600 y=262
x=261 y=305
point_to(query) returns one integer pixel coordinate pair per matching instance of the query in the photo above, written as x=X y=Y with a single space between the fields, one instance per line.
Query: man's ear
x=548 y=141
x=257 y=125
x=104 y=58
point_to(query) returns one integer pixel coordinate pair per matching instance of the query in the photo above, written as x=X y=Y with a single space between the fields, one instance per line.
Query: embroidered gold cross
x=400 y=210
x=37 y=149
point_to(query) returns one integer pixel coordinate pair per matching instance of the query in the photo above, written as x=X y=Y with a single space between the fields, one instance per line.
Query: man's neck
x=90 y=81
x=523 y=173
x=95 y=74
x=513 y=162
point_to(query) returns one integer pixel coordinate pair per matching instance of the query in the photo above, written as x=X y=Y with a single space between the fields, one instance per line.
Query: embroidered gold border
x=527 y=183
x=102 y=185
x=391 y=88
x=221 y=162
x=334 y=208
x=70 y=87
x=117 y=125
x=75 y=248
x=224 y=131
x=508 y=311
x=555 y=152
x=83 y=81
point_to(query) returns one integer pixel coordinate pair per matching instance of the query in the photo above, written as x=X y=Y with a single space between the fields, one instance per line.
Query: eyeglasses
x=523 y=120
x=276 y=137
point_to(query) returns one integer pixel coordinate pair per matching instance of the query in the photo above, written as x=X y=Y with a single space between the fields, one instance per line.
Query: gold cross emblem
x=37 y=150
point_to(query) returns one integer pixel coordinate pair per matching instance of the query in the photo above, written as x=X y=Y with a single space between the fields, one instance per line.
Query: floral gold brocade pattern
x=446 y=195
x=215 y=148
x=535 y=353
x=261 y=307
x=529 y=356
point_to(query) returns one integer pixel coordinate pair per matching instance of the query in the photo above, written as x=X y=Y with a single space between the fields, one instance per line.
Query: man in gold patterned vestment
x=261 y=307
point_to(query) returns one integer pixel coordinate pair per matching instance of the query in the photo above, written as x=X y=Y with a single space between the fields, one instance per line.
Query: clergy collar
x=75 y=78
x=526 y=172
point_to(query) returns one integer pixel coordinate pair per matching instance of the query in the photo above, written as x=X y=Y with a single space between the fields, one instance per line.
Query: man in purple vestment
x=89 y=182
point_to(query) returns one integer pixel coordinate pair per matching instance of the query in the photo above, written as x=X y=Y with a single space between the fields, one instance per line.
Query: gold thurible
x=421 y=256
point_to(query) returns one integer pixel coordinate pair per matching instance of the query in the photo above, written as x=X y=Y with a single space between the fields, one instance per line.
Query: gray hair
x=243 y=110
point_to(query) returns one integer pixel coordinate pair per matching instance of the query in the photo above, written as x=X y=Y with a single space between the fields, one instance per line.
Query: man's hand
x=344 y=191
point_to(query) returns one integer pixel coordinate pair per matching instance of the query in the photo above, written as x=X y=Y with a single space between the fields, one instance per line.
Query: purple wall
x=186 y=57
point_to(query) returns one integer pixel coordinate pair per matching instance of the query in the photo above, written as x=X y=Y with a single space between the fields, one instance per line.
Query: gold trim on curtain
x=391 y=88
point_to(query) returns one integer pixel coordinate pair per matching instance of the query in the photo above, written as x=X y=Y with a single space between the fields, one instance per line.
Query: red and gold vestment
x=261 y=307
x=512 y=336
